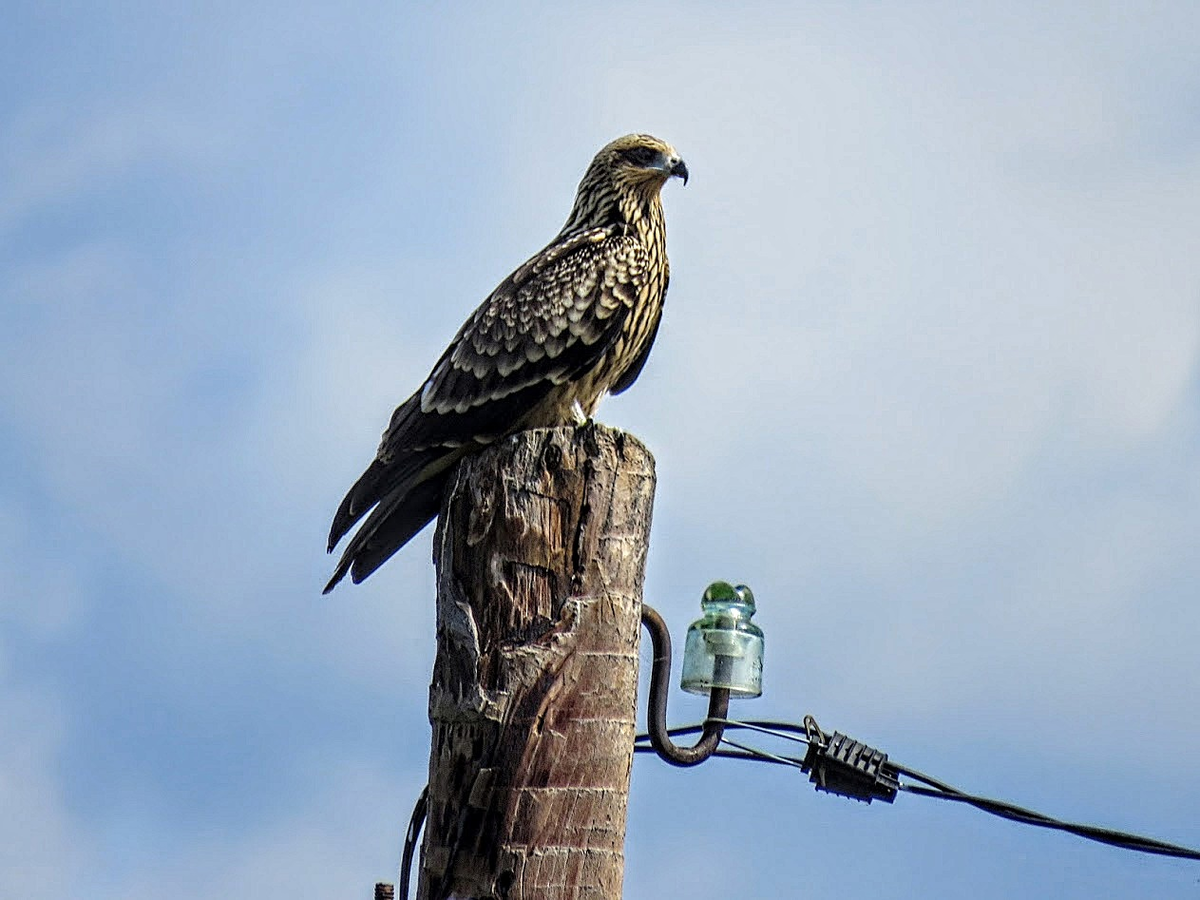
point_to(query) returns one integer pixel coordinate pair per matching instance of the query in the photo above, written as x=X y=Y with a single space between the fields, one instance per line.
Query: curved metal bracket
x=656 y=707
x=410 y=841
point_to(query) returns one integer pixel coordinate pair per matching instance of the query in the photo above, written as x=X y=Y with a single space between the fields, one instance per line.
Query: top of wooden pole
x=541 y=551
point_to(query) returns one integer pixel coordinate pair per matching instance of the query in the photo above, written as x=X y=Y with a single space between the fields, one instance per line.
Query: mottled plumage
x=571 y=324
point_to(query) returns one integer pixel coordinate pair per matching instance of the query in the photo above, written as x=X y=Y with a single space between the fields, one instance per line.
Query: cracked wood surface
x=540 y=553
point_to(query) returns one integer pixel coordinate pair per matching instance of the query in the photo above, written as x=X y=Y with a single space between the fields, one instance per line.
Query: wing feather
x=552 y=319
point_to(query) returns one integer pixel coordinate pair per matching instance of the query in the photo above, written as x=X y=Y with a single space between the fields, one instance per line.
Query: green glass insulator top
x=724 y=648
x=721 y=596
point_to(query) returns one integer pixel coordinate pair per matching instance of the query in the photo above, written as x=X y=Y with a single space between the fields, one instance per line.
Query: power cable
x=838 y=764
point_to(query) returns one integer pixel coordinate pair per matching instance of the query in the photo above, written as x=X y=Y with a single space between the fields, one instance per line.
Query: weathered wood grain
x=540 y=553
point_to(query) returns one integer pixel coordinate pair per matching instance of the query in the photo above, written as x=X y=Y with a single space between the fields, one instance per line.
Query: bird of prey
x=574 y=322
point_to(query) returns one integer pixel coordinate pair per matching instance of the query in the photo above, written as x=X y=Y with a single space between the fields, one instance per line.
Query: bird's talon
x=582 y=419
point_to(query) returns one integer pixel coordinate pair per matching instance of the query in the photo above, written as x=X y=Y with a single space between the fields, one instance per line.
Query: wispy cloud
x=927 y=380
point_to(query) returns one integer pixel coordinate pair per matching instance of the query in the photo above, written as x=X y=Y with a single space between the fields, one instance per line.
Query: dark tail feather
x=405 y=494
x=420 y=506
x=391 y=525
x=383 y=480
x=361 y=497
x=339 y=573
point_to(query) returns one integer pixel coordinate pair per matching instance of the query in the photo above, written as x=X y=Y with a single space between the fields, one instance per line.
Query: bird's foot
x=581 y=419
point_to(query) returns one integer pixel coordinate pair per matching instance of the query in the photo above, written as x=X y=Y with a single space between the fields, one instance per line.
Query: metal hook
x=656 y=707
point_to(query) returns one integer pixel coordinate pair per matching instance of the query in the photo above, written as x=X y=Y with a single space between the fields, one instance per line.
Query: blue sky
x=929 y=381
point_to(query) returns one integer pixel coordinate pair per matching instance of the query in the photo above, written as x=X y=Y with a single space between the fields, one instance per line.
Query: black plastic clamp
x=840 y=765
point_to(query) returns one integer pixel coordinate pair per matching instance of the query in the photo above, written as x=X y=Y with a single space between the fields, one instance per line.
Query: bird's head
x=640 y=161
x=623 y=182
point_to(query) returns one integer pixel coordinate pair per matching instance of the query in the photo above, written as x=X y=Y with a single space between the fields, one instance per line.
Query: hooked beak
x=678 y=168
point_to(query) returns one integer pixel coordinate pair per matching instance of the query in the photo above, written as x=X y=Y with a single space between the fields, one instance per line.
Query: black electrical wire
x=932 y=787
x=835 y=763
x=790 y=731
x=410 y=841
x=1011 y=811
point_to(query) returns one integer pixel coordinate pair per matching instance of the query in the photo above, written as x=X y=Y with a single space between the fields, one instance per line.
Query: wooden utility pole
x=540 y=553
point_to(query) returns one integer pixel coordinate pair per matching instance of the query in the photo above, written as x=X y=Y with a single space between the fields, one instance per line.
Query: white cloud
x=927 y=378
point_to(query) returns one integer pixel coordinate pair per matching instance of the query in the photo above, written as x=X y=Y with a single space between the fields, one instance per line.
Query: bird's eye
x=641 y=156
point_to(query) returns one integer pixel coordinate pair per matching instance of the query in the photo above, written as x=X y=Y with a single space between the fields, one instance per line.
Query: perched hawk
x=571 y=324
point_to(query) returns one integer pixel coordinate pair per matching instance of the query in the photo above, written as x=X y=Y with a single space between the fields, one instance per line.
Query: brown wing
x=552 y=320
x=549 y=322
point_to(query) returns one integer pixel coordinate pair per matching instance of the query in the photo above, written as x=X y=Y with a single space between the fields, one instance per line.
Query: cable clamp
x=840 y=765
